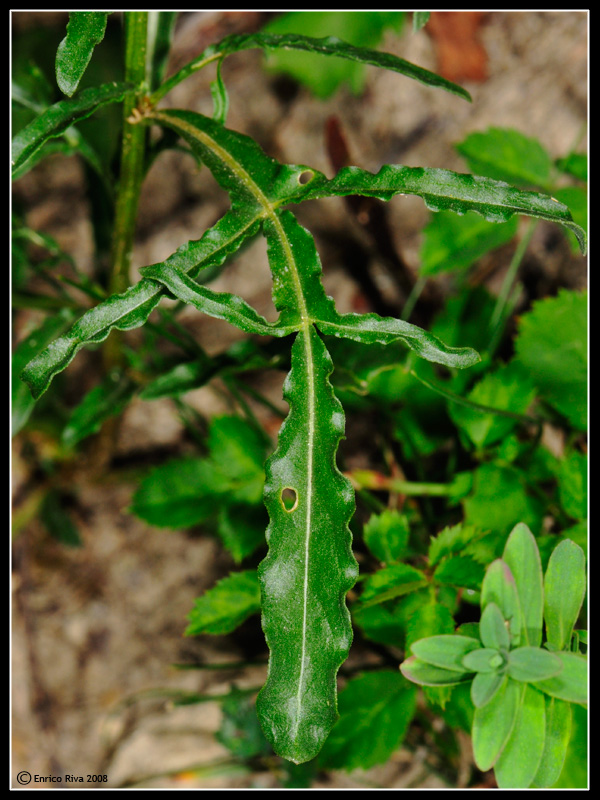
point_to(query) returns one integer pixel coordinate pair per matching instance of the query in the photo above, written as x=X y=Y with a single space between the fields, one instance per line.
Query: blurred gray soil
x=97 y=629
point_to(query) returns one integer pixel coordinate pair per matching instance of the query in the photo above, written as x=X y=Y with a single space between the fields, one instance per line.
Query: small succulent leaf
x=426 y=674
x=533 y=664
x=223 y=608
x=571 y=684
x=523 y=558
x=329 y=46
x=499 y=587
x=492 y=628
x=521 y=756
x=494 y=722
x=85 y=30
x=556 y=742
x=54 y=121
x=309 y=566
x=446 y=650
x=564 y=586
x=443 y=190
x=220 y=305
x=132 y=308
x=484 y=687
x=485 y=659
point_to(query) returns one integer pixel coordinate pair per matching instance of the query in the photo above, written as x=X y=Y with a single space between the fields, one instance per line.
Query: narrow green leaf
x=523 y=558
x=85 y=30
x=220 y=97
x=443 y=190
x=494 y=722
x=564 y=587
x=529 y=664
x=375 y=711
x=223 y=608
x=106 y=400
x=22 y=403
x=522 y=754
x=485 y=685
x=132 y=308
x=426 y=674
x=556 y=742
x=310 y=566
x=59 y=117
x=492 y=628
x=571 y=683
x=446 y=650
x=499 y=587
x=329 y=46
x=216 y=304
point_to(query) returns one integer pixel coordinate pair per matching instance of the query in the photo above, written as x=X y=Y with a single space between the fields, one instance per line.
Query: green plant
x=302 y=583
x=521 y=689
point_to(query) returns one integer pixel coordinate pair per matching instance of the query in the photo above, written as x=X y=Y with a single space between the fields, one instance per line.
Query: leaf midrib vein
x=304 y=328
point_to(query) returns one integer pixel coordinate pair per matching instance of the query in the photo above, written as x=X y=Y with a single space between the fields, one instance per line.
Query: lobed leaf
x=85 y=30
x=54 y=121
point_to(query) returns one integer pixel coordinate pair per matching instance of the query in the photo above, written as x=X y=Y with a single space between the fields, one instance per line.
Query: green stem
x=132 y=151
x=511 y=273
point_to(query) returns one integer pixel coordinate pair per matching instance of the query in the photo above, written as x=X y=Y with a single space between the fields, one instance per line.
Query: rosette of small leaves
x=521 y=689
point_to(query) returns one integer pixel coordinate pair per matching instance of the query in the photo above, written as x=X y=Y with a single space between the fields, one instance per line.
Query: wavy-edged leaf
x=54 y=121
x=220 y=305
x=443 y=190
x=131 y=308
x=310 y=566
x=328 y=46
x=85 y=30
x=223 y=608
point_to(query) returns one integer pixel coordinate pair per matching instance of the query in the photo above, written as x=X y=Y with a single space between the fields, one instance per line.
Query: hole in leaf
x=305 y=177
x=289 y=498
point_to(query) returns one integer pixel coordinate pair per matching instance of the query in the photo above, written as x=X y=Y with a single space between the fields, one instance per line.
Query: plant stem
x=132 y=151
